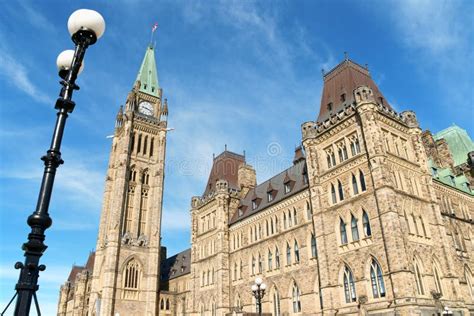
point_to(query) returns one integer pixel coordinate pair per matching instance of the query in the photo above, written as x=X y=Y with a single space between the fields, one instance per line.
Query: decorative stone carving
x=363 y=94
x=410 y=119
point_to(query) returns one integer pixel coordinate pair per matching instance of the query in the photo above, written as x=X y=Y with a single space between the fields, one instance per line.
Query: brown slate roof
x=176 y=266
x=225 y=167
x=75 y=270
x=294 y=174
x=344 y=79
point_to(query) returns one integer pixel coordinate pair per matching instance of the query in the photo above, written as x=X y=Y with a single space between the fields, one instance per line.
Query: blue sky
x=240 y=73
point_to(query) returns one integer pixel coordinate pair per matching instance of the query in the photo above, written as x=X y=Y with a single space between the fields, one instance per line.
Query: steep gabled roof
x=225 y=167
x=176 y=266
x=339 y=85
x=295 y=174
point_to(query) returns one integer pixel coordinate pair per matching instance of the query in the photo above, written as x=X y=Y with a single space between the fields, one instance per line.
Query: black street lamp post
x=258 y=290
x=85 y=26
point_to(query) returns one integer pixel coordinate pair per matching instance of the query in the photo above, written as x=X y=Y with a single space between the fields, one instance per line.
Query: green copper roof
x=459 y=143
x=148 y=75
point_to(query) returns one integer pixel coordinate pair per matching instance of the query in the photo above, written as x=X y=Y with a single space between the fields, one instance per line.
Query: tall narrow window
x=355 y=188
x=470 y=285
x=131 y=280
x=333 y=158
x=376 y=280
x=328 y=157
x=132 y=143
x=354 y=228
x=295 y=218
x=270 y=261
x=366 y=224
x=333 y=194
x=437 y=279
x=145 y=144
x=152 y=143
x=167 y=304
x=419 y=279
x=314 y=249
x=342 y=227
x=362 y=181
x=143 y=212
x=288 y=254
x=253 y=265
x=129 y=209
x=284 y=220
x=296 y=299
x=276 y=303
x=309 y=211
x=297 y=252
x=349 y=286
x=277 y=258
x=290 y=222
x=260 y=264
x=340 y=190
x=139 y=145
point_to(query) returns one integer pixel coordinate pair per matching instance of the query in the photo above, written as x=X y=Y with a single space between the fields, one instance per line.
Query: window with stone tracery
x=131 y=280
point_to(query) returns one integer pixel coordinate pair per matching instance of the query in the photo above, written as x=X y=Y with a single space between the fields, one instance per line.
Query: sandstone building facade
x=374 y=217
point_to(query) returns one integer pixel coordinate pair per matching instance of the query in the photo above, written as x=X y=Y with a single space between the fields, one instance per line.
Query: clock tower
x=126 y=269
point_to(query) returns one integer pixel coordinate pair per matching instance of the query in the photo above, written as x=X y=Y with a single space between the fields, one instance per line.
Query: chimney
x=247 y=178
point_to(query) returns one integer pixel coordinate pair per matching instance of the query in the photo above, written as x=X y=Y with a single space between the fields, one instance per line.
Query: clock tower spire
x=127 y=262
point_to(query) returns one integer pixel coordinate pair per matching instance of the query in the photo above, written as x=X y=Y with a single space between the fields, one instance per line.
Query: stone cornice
x=452 y=190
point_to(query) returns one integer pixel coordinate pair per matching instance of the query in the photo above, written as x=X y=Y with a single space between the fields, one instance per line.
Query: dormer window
x=343 y=97
x=144 y=86
x=381 y=100
x=287 y=187
x=270 y=196
x=330 y=106
x=305 y=178
x=241 y=212
x=254 y=204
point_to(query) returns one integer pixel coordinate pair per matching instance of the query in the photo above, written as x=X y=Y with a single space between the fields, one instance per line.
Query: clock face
x=145 y=108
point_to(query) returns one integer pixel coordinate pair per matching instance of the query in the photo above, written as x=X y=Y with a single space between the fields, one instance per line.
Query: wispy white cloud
x=15 y=74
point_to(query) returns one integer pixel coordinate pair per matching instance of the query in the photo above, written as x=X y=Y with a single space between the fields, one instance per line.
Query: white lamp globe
x=64 y=60
x=258 y=281
x=85 y=19
x=263 y=286
x=254 y=287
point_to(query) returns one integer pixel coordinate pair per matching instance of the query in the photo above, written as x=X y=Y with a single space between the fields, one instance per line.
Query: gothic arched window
x=270 y=260
x=349 y=286
x=418 y=278
x=152 y=143
x=343 y=232
x=366 y=224
x=139 y=145
x=297 y=252
x=355 y=188
x=276 y=303
x=288 y=254
x=145 y=145
x=253 y=265
x=354 y=228
x=437 y=280
x=296 y=299
x=314 y=249
x=260 y=264
x=309 y=211
x=131 y=279
x=376 y=280
x=284 y=220
x=333 y=194
x=362 y=181
x=277 y=258
x=295 y=218
x=340 y=190
x=167 y=304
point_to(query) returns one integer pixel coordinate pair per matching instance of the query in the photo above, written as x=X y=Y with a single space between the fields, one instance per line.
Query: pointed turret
x=148 y=75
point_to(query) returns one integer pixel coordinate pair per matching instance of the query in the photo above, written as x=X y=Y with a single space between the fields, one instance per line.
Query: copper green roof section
x=148 y=75
x=459 y=143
